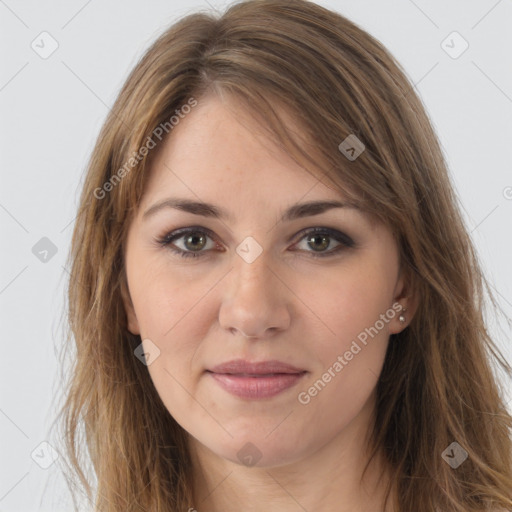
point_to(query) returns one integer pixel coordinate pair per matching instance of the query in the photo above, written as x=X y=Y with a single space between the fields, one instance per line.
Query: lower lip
x=257 y=387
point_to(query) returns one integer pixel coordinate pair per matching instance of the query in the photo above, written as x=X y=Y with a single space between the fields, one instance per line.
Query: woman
x=274 y=299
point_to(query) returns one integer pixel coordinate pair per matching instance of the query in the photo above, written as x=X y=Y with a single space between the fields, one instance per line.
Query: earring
x=401 y=318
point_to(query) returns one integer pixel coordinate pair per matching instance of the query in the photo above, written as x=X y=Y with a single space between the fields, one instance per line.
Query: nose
x=255 y=300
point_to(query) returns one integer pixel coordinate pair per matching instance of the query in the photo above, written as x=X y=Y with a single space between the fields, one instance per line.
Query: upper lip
x=241 y=366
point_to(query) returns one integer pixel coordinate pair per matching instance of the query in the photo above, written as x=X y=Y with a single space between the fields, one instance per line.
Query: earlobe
x=405 y=304
x=133 y=324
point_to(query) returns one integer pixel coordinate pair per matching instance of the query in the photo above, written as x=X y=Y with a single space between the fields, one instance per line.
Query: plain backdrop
x=52 y=108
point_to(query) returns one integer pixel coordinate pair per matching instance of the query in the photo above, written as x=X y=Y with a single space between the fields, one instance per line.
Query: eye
x=194 y=239
x=320 y=239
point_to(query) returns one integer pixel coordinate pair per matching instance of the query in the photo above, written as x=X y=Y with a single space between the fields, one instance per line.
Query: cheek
x=166 y=298
x=352 y=301
x=168 y=306
x=353 y=352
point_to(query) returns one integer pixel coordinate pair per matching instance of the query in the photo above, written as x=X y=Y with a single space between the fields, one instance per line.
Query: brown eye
x=192 y=241
x=320 y=239
x=195 y=241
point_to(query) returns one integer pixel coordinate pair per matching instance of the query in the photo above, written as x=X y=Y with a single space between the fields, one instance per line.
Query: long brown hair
x=437 y=385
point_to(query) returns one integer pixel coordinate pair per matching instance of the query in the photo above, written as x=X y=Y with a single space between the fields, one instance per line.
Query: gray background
x=51 y=112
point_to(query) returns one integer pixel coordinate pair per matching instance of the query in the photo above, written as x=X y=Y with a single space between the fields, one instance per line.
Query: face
x=314 y=290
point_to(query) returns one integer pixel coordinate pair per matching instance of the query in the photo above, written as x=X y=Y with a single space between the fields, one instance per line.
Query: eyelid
x=178 y=233
x=332 y=232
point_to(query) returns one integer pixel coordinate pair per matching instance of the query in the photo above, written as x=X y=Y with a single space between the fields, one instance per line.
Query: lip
x=257 y=380
x=241 y=366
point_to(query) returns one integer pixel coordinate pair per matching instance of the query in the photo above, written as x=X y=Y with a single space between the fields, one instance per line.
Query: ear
x=133 y=324
x=406 y=295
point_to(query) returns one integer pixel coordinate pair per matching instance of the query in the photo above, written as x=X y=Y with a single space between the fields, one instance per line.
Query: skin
x=299 y=309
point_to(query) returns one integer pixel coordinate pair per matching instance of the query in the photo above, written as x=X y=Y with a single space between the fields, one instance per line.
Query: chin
x=259 y=453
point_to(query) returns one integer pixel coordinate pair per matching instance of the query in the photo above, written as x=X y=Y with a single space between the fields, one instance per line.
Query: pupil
x=195 y=237
x=323 y=239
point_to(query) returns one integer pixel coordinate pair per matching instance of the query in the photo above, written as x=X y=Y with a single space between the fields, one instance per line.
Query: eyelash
x=345 y=241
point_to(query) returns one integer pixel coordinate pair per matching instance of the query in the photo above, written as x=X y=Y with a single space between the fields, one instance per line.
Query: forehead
x=220 y=152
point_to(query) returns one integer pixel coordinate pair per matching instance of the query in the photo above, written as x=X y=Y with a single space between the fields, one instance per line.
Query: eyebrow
x=296 y=211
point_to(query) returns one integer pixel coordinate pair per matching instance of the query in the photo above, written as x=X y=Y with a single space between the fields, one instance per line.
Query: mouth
x=252 y=381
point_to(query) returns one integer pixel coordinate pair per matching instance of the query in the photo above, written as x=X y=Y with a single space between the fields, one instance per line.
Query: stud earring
x=401 y=318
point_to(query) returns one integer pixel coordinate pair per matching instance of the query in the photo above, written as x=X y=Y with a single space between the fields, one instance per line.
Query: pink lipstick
x=256 y=380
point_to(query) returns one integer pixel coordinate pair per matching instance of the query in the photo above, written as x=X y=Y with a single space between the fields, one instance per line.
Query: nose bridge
x=254 y=302
x=252 y=267
x=252 y=258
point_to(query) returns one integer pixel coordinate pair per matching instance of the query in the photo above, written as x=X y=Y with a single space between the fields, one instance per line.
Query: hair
x=437 y=384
